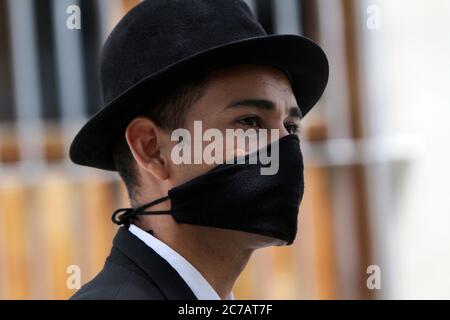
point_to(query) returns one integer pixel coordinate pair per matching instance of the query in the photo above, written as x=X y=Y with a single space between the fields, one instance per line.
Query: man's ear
x=144 y=139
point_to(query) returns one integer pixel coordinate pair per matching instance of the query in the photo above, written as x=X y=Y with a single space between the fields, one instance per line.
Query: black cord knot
x=124 y=216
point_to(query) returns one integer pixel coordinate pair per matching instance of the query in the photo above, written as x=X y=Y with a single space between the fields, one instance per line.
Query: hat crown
x=158 y=33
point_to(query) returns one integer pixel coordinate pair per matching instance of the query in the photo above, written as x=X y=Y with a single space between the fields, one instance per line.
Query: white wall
x=406 y=82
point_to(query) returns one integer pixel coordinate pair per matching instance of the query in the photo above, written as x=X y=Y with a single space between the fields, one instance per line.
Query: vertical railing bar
x=110 y=11
x=69 y=59
x=287 y=18
x=28 y=100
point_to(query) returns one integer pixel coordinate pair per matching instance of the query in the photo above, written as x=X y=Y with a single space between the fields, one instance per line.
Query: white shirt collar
x=193 y=278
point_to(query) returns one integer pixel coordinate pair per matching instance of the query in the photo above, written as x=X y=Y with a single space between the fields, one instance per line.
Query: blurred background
x=377 y=150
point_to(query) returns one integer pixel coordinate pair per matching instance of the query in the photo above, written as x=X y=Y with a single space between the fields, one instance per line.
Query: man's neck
x=216 y=254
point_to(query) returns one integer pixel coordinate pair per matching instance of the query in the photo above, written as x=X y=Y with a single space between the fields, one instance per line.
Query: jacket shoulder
x=119 y=280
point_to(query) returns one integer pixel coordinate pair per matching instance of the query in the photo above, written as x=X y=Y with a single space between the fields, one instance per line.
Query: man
x=193 y=226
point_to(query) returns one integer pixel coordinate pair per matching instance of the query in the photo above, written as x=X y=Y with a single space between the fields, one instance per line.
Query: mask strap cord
x=125 y=215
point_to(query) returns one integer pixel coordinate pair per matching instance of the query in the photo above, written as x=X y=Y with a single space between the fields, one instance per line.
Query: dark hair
x=169 y=113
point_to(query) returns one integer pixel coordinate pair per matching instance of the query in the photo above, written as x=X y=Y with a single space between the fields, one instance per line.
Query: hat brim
x=304 y=60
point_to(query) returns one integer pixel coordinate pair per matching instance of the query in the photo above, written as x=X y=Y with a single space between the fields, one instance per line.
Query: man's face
x=242 y=97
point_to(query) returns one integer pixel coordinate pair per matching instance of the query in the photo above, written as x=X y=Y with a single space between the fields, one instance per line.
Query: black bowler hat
x=159 y=40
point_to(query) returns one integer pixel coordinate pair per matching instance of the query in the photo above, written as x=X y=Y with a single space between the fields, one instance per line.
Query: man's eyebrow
x=256 y=103
x=295 y=112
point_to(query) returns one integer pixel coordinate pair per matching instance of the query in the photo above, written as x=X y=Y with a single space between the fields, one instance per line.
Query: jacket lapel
x=159 y=270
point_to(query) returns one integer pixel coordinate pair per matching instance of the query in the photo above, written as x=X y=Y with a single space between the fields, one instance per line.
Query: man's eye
x=250 y=122
x=292 y=128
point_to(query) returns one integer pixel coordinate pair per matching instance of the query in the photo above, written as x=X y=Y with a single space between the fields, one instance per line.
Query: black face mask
x=238 y=197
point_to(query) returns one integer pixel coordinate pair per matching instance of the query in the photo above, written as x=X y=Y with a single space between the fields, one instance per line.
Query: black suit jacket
x=133 y=271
